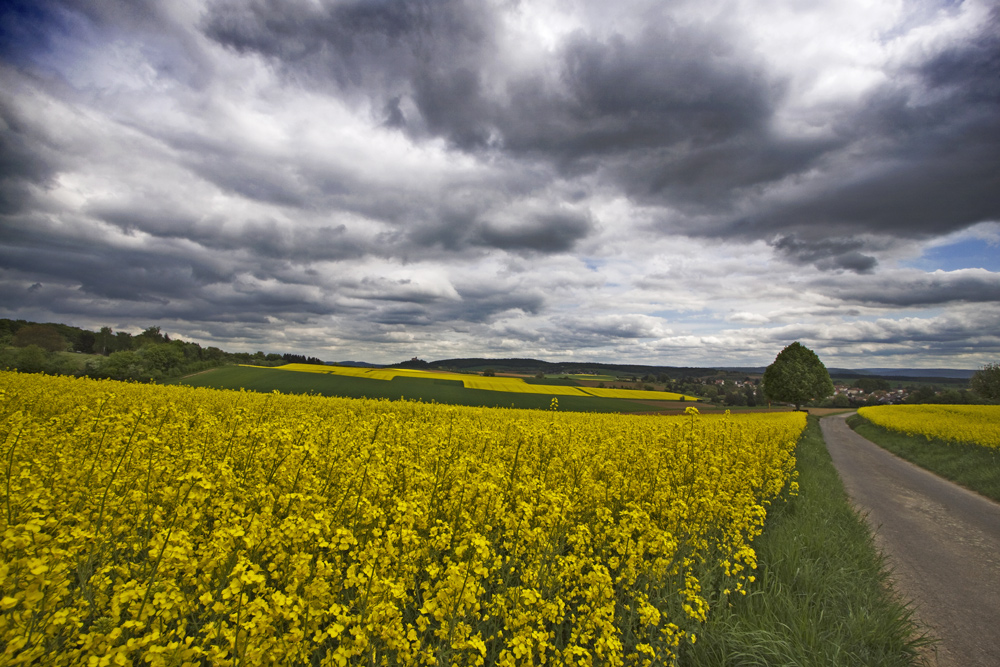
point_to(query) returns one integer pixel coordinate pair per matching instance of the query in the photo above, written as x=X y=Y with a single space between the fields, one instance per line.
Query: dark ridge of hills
x=552 y=367
x=520 y=365
x=923 y=374
x=912 y=373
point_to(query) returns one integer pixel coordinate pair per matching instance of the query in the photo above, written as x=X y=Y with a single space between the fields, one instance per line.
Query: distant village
x=847 y=393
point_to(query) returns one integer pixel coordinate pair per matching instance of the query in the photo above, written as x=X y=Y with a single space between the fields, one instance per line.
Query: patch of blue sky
x=965 y=254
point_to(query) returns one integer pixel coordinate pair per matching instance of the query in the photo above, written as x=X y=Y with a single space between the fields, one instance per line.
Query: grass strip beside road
x=822 y=594
x=975 y=467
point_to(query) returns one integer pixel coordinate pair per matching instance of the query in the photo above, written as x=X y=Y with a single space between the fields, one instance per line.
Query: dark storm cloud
x=408 y=315
x=690 y=106
x=673 y=116
x=935 y=289
x=25 y=162
x=528 y=229
x=656 y=110
x=253 y=179
x=947 y=336
x=482 y=303
x=827 y=254
x=603 y=328
x=545 y=233
x=265 y=239
x=159 y=279
x=477 y=302
x=131 y=274
x=429 y=49
x=926 y=155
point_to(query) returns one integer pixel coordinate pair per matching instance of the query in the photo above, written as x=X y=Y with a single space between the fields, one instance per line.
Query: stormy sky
x=676 y=183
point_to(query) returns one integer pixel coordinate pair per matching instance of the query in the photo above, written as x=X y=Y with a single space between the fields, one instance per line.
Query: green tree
x=841 y=401
x=44 y=336
x=32 y=359
x=123 y=341
x=161 y=357
x=150 y=336
x=104 y=341
x=868 y=385
x=797 y=376
x=84 y=342
x=986 y=381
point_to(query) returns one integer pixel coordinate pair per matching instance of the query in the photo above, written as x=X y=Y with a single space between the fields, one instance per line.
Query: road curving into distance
x=941 y=541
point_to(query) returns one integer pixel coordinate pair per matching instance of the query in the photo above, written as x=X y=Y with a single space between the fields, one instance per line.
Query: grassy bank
x=821 y=595
x=972 y=466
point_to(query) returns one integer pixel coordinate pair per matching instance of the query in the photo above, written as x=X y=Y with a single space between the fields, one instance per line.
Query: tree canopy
x=36 y=348
x=797 y=376
x=44 y=336
x=986 y=381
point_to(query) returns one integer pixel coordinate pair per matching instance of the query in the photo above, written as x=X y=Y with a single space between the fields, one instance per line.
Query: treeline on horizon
x=32 y=347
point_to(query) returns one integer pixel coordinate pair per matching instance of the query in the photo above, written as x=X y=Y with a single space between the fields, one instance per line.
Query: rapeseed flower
x=158 y=525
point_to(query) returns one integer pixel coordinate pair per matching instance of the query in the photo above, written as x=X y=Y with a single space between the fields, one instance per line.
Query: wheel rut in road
x=941 y=541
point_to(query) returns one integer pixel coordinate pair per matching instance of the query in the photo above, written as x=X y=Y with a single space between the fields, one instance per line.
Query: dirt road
x=942 y=541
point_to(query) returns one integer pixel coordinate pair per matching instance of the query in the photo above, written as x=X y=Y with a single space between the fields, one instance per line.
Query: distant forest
x=32 y=347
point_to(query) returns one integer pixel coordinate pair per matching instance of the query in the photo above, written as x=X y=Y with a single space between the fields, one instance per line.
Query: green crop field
x=427 y=390
x=554 y=380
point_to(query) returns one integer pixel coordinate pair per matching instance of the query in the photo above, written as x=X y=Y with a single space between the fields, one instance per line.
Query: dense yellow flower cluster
x=974 y=424
x=157 y=525
x=511 y=384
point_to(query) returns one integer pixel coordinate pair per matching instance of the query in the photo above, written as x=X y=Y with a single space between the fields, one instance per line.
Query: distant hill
x=913 y=373
x=552 y=368
x=519 y=365
x=954 y=373
x=354 y=364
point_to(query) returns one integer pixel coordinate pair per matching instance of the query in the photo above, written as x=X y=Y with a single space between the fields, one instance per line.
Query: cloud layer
x=652 y=182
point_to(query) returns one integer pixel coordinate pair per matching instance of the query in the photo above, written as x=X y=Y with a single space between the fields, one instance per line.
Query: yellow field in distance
x=974 y=424
x=637 y=394
x=515 y=385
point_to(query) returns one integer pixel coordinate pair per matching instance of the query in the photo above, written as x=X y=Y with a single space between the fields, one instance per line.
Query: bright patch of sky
x=968 y=254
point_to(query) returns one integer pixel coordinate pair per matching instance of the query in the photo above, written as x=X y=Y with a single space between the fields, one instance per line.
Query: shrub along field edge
x=822 y=594
x=975 y=467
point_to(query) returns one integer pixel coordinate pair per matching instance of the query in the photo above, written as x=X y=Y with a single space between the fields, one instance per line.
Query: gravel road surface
x=942 y=543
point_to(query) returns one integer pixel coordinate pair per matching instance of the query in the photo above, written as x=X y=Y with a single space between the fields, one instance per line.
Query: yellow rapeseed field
x=146 y=524
x=511 y=384
x=974 y=424
x=635 y=394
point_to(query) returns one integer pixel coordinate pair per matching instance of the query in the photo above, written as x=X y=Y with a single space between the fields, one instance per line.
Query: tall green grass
x=822 y=594
x=975 y=467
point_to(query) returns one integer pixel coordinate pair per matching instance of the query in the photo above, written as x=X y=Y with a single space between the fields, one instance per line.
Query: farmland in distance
x=432 y=389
